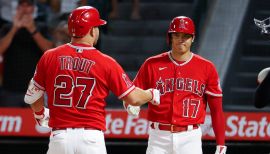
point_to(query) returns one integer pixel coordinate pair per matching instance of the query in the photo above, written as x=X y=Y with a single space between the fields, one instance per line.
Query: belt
x=173 y=128
x=85 y=128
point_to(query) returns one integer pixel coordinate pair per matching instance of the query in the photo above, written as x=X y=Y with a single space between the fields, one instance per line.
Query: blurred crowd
x=30 y=27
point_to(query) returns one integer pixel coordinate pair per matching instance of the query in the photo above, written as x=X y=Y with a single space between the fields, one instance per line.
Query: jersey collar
x=80 y=46
x=177 y=64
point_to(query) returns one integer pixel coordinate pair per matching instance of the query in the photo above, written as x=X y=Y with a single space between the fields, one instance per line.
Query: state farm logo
x=242 y=127
x=130 y=126
x=10 y=123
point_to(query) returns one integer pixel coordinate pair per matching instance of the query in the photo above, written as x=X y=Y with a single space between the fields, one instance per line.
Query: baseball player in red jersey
x=77 y=78
x=187 y=83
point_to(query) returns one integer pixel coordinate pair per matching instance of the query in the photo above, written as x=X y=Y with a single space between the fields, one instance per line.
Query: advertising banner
x=242 y=126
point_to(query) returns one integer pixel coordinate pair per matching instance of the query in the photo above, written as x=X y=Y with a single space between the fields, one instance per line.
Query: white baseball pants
x=77 y=141
x=165 y=142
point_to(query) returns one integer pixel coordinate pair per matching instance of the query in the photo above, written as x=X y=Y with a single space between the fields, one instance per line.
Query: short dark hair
x=29 y=2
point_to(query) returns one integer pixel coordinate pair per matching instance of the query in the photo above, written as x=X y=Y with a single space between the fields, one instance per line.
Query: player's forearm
x=218 y=119
x=43 y=43
x=38 y=105
x=218 y=123
x=6 y=40
x=138 y=97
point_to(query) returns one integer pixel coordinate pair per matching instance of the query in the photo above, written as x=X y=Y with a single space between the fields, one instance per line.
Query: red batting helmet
x=181 y=24
x=82 y=19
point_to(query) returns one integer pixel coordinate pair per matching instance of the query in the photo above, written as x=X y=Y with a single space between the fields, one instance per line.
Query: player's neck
x=181 y=56
x=82 y=41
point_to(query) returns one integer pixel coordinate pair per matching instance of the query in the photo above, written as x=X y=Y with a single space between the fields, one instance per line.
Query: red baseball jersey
x=77 y=78
x=183 y=88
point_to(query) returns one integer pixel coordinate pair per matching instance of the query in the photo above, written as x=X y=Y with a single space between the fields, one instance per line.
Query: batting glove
x=155 y=96
x=42 y=117
x=132 y=110
x=221 y=149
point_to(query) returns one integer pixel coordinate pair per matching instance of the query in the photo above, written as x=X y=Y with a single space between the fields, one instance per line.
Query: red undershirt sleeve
x=218 y=119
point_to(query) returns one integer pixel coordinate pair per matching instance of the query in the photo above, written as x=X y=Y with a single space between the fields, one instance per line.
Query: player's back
x=76 y=79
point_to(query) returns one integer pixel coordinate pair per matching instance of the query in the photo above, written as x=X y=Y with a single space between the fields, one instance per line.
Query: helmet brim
x=181 y=31
x=101 y=22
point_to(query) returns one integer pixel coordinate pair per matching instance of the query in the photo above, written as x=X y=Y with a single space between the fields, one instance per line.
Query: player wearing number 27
x=187 y=83
x=77 y=78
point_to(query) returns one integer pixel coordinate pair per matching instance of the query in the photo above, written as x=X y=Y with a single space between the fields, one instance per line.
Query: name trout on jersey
x=182 y=84
x=76 y=64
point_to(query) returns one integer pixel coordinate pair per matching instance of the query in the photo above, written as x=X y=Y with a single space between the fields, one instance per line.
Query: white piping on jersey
x=126 y=92
x=80 y=47
x=213 y=94
x=39 y=86
x=171 y=58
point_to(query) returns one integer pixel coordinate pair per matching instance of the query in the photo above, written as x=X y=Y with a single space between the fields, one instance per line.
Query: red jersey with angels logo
x=77 y=79
x=183 y=88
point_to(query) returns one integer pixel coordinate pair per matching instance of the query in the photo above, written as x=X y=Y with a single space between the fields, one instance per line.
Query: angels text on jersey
x=180 y=84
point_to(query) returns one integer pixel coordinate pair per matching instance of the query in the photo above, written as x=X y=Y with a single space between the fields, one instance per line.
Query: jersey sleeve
x=39 y=75
x=213 y=84
x=120 y=83
x=218 y=119
x=142 y=76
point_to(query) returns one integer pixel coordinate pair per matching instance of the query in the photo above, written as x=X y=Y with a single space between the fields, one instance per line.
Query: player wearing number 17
x=187 y=83
x=77 y=78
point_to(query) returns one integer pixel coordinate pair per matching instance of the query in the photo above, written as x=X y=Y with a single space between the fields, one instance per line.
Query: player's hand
x=221 y=149
x=132 y=110
x=43 y=117
x=28 y=23
x=17 y=22
x=155 y=96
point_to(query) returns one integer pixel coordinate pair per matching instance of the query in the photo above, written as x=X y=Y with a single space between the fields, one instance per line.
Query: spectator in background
x=62 y=8
x=21 y=43
x=8 y=10
x=135 y=14
x=60 y=34
x=43 y=10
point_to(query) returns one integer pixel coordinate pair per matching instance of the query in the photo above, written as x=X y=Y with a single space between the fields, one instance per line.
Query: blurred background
x=136 y=29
